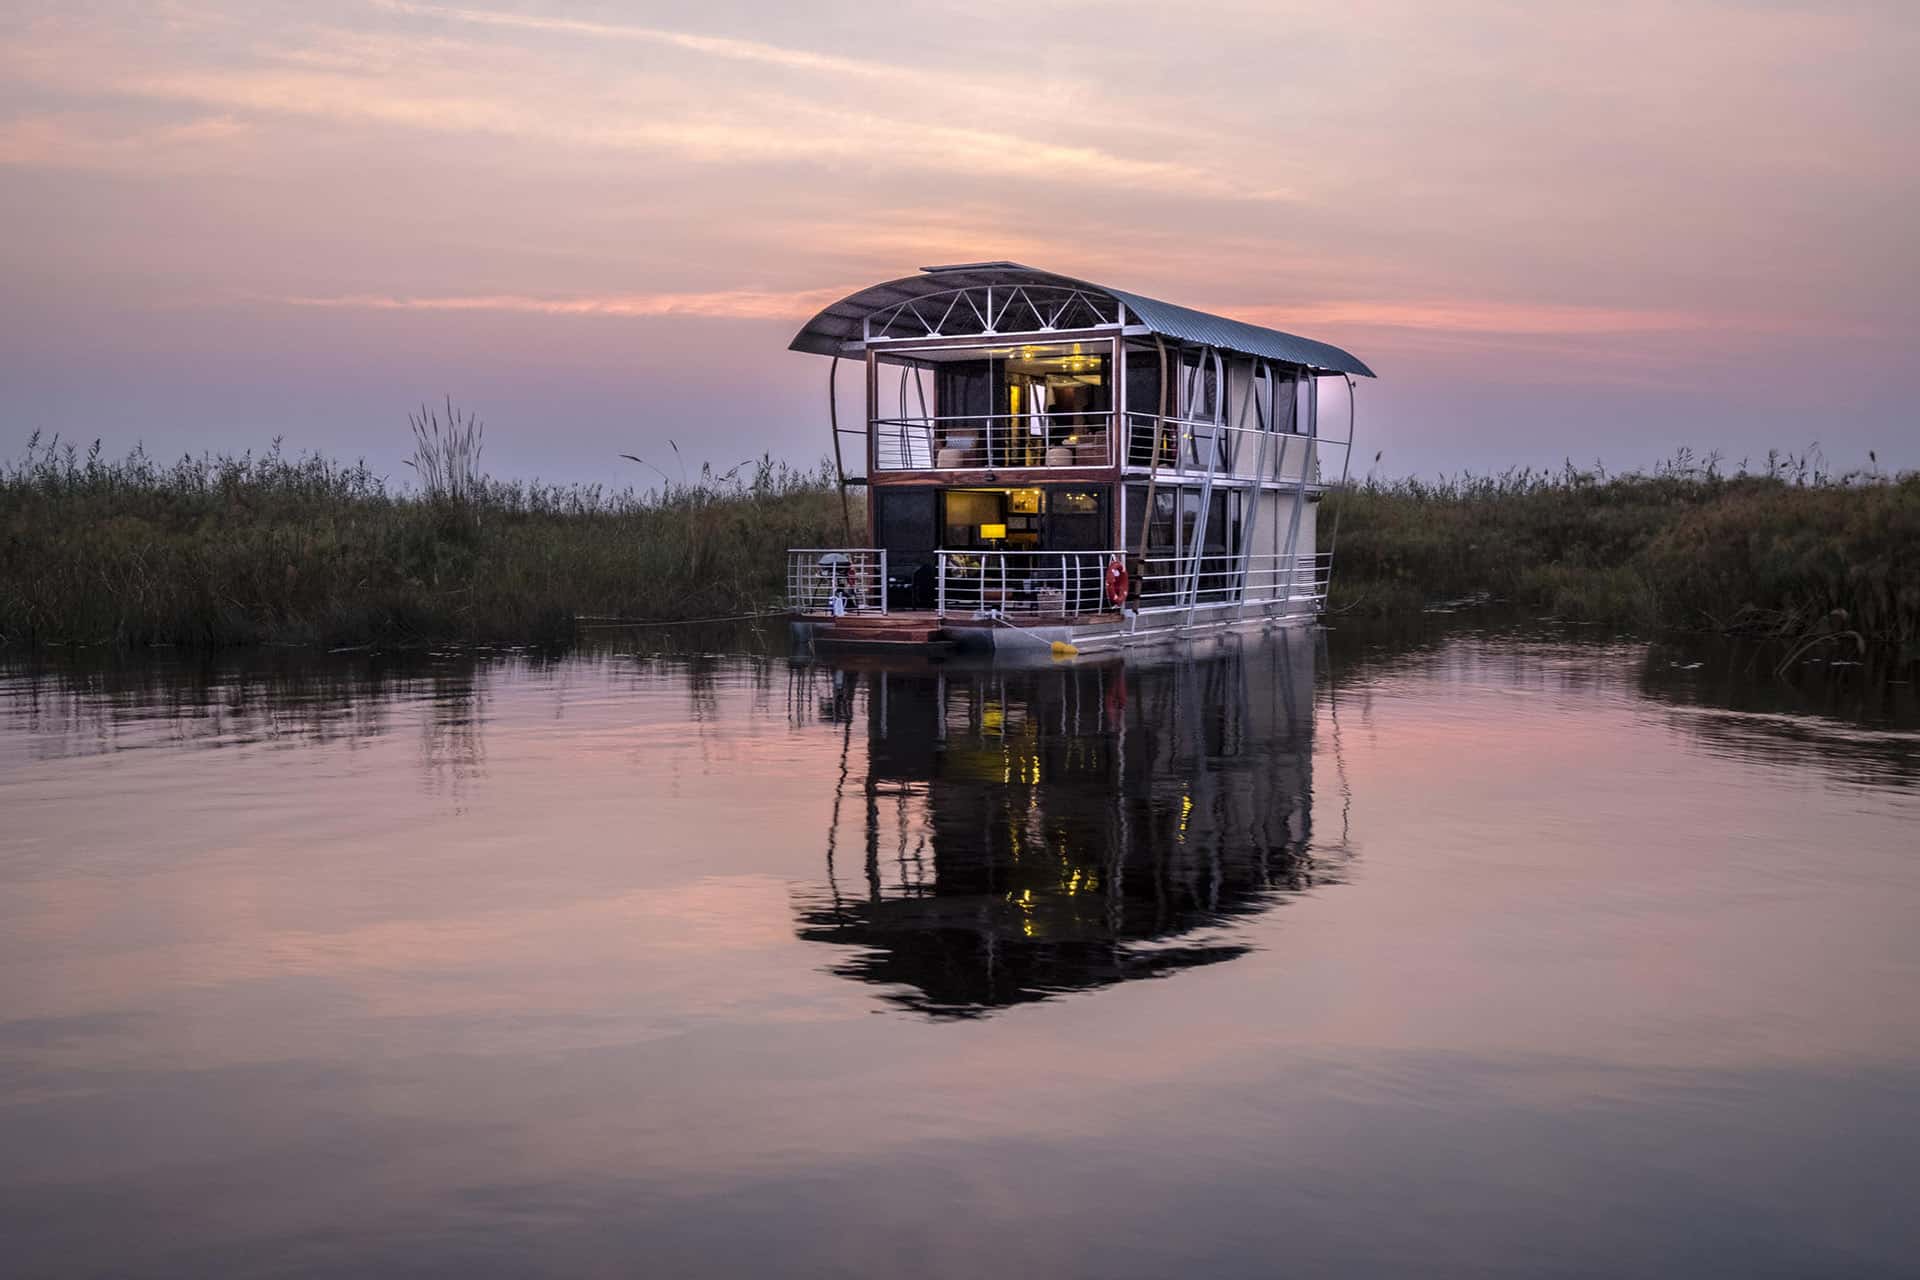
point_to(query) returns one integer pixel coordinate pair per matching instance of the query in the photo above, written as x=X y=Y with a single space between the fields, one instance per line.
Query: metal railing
x=837 y=580
x=1274 y=582
x=1065 y=440
x=972 y=442
x=1065 y=585
x=1184 y=446
x=1072 y=584
x=1032 y=584
x=1182 y=443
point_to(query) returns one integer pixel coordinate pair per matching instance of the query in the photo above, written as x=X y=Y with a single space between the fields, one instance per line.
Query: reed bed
x=223 y=550
x=1784 y=550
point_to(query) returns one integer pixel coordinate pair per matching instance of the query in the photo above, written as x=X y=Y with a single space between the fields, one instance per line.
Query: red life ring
x=1117 y=580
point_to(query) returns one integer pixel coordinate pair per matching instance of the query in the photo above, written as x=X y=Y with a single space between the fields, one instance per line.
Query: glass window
x=1076 y=502
x=1028 y=405
x=1166 y=500
x=1077 y=520
x=1189 y=515
x=904 y=520
x=1198 y=388
x=1176 y=513
x=966 y=511
x=1143 y=380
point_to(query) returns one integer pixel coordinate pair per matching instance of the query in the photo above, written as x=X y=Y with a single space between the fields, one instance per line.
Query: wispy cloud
x=733 y=304
x=81 y=141
x=916 y=119
x=1484 y=317
x=753 y=51
x=743 y=132
x=1452 y=321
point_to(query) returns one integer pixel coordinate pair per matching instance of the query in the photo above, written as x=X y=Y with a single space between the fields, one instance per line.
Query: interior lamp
x=992 y=532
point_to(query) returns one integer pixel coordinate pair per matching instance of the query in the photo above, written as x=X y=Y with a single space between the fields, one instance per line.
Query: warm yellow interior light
x=992 y=531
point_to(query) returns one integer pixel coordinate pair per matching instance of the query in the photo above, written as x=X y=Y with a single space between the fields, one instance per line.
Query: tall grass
x=1784 y=550
x=220 y=549
x=447 y=462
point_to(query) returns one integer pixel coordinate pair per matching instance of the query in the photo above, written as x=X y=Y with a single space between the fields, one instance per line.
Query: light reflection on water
x=1471 y=953
x=1009 y=835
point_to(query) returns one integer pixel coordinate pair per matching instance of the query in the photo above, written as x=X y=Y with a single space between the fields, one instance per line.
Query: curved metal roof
x=841 y=323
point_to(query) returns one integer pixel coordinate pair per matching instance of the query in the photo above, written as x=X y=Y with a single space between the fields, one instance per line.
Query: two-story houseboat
x=1049 y=459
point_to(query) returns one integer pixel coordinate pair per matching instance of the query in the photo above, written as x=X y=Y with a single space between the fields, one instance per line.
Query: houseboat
x=1055 y=462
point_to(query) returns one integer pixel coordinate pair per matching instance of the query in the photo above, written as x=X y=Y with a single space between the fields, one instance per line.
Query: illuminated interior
x=1024 y=519
x=1028 y=405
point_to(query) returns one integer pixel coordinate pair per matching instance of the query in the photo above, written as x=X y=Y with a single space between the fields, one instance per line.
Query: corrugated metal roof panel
x=841 y=322
x=1187 y=325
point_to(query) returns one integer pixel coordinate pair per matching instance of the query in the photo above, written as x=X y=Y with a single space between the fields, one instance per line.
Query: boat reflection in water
x=1016 y=834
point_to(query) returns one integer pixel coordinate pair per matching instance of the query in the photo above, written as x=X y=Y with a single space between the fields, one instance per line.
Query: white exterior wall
x=1270 y=537
x=1289 y=454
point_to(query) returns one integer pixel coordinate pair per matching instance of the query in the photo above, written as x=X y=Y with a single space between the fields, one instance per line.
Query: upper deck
x=999 y=373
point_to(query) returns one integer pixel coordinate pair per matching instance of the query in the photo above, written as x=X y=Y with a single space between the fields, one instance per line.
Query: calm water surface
x=1479 y=953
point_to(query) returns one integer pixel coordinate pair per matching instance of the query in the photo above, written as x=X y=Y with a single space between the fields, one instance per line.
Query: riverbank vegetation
x=1783 y=550
x=221 y=550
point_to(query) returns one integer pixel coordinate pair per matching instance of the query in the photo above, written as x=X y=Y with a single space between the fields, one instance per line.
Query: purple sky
x=1591 y=231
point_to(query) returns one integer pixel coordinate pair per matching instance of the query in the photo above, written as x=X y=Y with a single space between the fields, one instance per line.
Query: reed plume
x=447 y=461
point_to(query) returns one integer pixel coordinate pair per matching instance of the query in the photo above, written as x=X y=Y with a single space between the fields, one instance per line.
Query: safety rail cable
x=971 y=441
x=1023 y=583
x=1183 y=449
x=1066 y=584
x=1174 y=582
x=1159 y=444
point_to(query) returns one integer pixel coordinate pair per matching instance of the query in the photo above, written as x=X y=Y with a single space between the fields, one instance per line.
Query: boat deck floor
x=924 y=632
x=919 y=619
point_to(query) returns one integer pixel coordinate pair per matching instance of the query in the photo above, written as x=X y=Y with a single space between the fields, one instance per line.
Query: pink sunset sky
x=1597 y=231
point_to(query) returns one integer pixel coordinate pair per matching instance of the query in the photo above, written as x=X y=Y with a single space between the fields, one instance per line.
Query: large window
x=969 y=516
x=1143 y=379
x=1077 y=519
x=1056 y=518
x=1176 y=513
x=1041 y=405
x=905 y=523
x=1170 y=526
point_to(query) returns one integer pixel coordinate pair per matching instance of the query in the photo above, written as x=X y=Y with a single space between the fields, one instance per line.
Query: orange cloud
x=1439 y=317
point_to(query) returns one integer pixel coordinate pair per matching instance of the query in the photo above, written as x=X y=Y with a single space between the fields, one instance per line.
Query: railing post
x=940 y=592
x=885 y=585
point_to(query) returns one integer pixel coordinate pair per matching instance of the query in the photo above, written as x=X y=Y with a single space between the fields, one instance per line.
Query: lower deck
x=925 y=632
x=1053 y=587
x=1096 y=564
